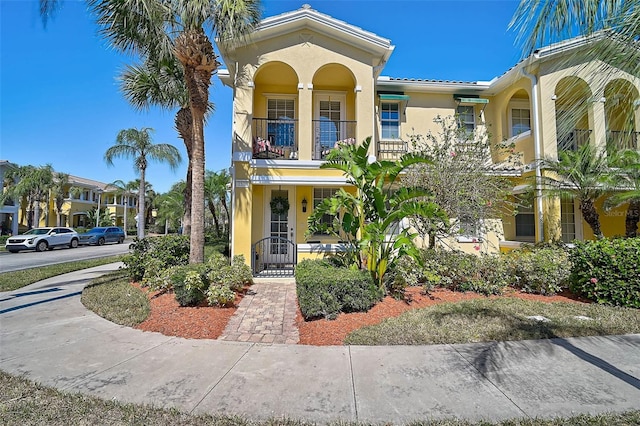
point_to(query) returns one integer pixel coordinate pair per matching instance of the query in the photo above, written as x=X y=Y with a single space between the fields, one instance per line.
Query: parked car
x=41 y=239
x=101 y=235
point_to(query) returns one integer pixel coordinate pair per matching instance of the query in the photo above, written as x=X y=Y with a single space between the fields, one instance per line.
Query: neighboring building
x=82 y=196
x=9 y=210
x=305 y=80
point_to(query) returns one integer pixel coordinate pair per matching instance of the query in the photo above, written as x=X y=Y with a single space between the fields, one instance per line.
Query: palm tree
x=161 y=83
x=30 y=184
x=124 y=190
x=613 y=26
x=582 y=175
x=148 y=28
x=216 y=195
x=137 y=144
x=170 y=206
x=59 y=192
x=541 y=22
x=625 y=176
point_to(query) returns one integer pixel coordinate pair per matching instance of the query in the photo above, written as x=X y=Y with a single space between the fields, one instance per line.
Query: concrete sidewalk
x=48 y=336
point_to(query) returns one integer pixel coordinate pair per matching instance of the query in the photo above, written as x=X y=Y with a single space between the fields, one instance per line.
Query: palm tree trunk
x=590 y=215
x=226 y=210
x=195 y=51
x=36 y=213
x=216 y=222
x=141 y=208
x=126 y=204
x=184 y=126
x=632 y=219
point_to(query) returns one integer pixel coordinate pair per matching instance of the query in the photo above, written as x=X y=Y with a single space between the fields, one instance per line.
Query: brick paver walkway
x=267 y=314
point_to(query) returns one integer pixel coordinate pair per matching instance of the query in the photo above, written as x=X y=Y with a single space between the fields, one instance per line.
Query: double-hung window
x=280 y=122
x=466 y=118
x=525 y=224
x=520 y=121
x=320 y=194
x=390 y=120
x=567 y=220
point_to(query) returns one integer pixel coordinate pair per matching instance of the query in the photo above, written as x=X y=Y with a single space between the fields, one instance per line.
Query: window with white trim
x=320 y=194
x=567 y=220
x=280 y=121
x=466 y=117
x=520 y=121
x=525 y=224
x=390 y=120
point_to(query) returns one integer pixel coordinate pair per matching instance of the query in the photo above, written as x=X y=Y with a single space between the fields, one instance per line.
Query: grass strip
x=17 y=279
x=484 y=320
x=25 y=402
x=112 y=297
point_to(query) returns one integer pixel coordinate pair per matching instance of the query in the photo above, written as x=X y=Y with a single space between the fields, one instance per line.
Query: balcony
x=572 y=140
x=328 y=133
x=391 y=150
x=275 y=139
x=617 y=139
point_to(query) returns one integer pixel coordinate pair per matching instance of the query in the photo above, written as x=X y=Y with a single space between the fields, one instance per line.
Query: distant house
x=82 y=196
x=304 y=81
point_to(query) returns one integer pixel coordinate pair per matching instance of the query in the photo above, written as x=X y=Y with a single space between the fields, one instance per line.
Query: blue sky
x=60 y=103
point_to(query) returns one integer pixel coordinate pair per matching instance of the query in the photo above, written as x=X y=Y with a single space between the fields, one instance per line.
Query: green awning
x=472 y=100
x=388 y=97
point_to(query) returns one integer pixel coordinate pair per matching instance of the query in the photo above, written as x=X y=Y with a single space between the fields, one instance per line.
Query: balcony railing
x=327 y=133
x=275 y=139
x=572 y=140
x=617 y=139
x=392 y=149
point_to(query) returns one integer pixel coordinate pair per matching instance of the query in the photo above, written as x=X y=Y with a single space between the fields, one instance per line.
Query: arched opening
x=275 y=112
x=334 y=109
x=620 y=115
x=572 y=97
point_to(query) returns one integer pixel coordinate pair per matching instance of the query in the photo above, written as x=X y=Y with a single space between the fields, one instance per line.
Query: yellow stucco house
x=304 y=81
x=83 y=195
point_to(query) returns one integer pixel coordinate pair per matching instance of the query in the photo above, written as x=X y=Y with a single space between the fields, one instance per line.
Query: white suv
x=41 y=239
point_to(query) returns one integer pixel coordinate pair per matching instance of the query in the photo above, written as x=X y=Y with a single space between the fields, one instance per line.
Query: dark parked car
x=101 y=235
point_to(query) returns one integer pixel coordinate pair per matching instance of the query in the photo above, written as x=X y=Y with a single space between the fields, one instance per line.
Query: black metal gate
x=274 y=257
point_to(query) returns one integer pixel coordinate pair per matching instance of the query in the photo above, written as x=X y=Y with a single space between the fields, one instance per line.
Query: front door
x=280 y=226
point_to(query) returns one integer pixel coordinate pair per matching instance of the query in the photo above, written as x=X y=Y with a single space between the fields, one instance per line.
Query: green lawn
x=483 y=320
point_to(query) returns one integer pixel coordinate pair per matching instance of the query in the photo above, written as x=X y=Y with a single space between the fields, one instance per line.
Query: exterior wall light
x=304 y=205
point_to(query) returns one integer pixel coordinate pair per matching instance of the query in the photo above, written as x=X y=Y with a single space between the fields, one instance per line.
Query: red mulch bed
x=204 y=322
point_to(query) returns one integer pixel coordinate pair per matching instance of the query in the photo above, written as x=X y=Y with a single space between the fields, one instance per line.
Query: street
x=30 y=259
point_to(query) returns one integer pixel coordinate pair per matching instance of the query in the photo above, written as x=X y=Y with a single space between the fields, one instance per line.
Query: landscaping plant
x=607 y=271
x=366 y=220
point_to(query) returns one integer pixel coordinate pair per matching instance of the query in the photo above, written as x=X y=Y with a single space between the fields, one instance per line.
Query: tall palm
x=148 y=27
x=160 y=82
x=582 y=175
x=137 y=144
x=625 y=177
x=59 y=191
x=216 y=195
x=124 y=190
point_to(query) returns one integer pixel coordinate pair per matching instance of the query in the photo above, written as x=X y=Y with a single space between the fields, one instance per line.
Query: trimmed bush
x=540 y=269
x=607 y=271
x=190 y=284
x=324 y=290
x=155 y=254
x=235 y=275
x=220 y=295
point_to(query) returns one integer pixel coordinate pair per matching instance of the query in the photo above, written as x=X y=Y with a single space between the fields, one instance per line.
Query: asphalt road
x=30 y=259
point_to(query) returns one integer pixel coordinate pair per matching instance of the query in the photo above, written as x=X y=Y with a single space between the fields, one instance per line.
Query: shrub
x=155 y=254
x=540 y=269
x=324 y=290
x=220 y=295
x=607 y=271
x=190 y=284
x=235 y=275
